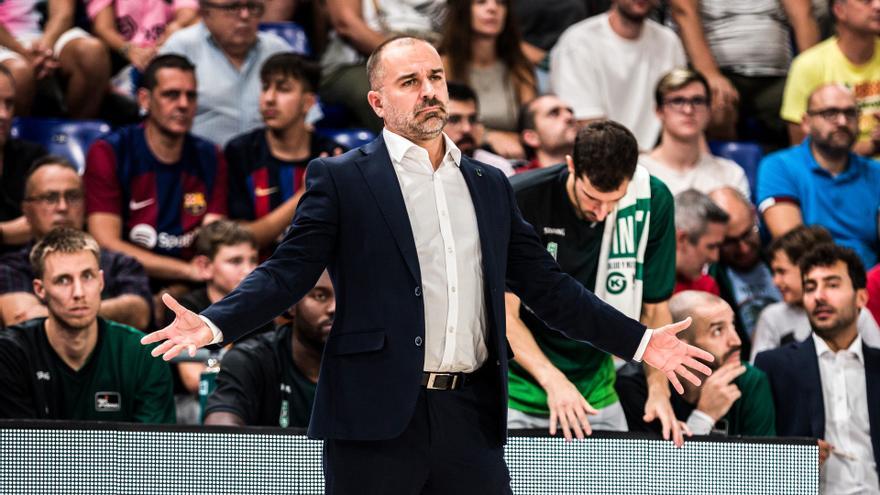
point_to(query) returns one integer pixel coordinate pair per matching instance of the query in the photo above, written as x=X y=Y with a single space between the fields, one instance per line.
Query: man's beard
x=630 y=16
x=310 y=335
x=467 y=144
x=844 y=320
x=419 y=127
x=828 y=147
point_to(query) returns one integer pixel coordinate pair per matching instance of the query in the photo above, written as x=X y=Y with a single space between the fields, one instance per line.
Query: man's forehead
x=52 y=177
x=58 y=263
x=835 y=95
x=461 y=107
x=547 y=103
x=401 y=58
x=713 y=313
x=175 y=76
x=838 y=269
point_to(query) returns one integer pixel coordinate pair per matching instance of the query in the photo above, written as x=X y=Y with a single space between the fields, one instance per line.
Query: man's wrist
x=700 y=423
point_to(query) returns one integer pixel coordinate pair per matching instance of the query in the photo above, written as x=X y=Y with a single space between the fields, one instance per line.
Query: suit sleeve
x=293 y=269
x=558 y=299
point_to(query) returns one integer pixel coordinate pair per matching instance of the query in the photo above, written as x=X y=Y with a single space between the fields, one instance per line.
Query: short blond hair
x=62 y=240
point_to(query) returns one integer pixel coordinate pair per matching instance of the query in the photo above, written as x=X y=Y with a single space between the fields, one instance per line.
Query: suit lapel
x=872 y=382
x=477 y=183
x=378 y=172
x=808 y=365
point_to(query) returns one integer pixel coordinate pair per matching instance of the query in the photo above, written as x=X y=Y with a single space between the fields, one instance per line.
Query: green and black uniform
x=260 y=383
x=753 y=414
x=575 y=243
x=120 y=380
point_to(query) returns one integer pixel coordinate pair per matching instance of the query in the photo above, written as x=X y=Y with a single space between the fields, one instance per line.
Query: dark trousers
x=449 y=447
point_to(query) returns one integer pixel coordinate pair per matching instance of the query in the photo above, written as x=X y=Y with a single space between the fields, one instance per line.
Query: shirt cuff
x=637 y=357
x=700 y=423
x=218 y=335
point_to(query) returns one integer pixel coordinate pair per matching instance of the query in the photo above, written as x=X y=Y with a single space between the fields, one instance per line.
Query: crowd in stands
x=603 y=114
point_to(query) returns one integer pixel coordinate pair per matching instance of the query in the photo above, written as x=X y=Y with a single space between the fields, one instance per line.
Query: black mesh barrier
x=47 y=457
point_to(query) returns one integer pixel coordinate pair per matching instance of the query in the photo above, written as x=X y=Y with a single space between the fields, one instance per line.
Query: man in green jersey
x=610 y=225
x=72 y=364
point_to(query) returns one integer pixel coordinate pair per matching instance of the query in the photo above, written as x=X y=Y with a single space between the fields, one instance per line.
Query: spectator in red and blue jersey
x=149 y=187
x=267 y=166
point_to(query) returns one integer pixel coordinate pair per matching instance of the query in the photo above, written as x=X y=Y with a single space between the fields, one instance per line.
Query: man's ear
x=206 y=268
x=143 y=99
x=681 y=237
x=39 y=290
x=570 y=164
x=375 y=101
x=530 y=137
x=861 y=298
x=309 y=100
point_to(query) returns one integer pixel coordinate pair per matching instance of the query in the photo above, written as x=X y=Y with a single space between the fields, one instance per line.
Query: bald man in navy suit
x=421 y=243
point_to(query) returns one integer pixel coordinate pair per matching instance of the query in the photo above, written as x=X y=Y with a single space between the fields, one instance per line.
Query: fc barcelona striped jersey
x=161 y=204
x=259 y=182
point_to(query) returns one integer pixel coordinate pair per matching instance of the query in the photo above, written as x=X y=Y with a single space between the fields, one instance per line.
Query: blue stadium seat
x=68 y=138
x=290 y=32
x=349 y=138
x=747 y=154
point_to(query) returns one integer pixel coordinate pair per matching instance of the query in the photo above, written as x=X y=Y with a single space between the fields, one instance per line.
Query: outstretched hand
x=671 y=356
x=187 y=331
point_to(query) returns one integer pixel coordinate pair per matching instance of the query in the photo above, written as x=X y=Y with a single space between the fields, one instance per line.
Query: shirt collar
x=854 y=348
x=853 y=165
x=398 y=146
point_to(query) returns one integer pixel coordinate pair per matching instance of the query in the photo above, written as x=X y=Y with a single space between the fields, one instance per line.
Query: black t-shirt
x=259 y=382
x=18 y=155
x=259 y=182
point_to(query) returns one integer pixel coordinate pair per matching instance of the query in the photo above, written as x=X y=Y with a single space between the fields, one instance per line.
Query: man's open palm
x=670 y=355
x=187 y=331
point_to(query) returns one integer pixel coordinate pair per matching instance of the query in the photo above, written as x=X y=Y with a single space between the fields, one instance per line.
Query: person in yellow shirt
x=851 y=58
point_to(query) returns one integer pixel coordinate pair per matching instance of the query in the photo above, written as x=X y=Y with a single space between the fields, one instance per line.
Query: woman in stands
x=481 y=46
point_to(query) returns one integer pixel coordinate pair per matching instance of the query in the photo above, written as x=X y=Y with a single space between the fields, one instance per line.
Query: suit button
x=418 y=341
x=498 y=363
x=418 y=291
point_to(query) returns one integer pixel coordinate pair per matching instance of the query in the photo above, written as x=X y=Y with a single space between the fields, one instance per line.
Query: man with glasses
x=823 y=180
x=54 y=198
x=742 y=274
x=851 y=58
x=465 y=130
x=228 y=51
x=681 y=160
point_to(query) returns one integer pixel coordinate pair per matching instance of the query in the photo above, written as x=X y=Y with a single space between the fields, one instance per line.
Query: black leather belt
x=448 y=381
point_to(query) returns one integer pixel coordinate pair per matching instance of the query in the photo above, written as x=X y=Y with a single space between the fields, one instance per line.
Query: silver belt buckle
x=451 y=384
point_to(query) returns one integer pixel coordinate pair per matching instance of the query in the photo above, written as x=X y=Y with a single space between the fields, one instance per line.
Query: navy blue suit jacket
x=793 y=371
x=353 y=221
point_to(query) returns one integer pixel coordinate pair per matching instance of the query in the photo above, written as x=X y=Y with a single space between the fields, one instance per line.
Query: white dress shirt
x=444 y=225
x=850 y=469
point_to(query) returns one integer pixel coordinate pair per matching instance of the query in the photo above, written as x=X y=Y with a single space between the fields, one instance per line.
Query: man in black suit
x=828 y=386
x=420 y=242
